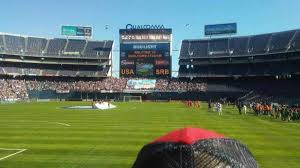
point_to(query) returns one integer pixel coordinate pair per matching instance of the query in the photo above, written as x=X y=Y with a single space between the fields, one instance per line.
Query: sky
x=45 y=18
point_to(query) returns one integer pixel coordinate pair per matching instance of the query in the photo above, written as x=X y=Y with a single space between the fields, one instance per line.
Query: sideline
x=56 y=123
x=7 y=149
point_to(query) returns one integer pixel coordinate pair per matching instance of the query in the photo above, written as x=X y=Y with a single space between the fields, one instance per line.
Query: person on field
x=197 y=104
x=108 y=102
x=190 y=103
x=239 y=106
x=214 y=107
x=219 y=108
x=245 y=108
x=209 y=105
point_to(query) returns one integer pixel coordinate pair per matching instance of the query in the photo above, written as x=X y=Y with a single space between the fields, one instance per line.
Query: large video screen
x=148 y=64
x=145 y=53
x=144 y=69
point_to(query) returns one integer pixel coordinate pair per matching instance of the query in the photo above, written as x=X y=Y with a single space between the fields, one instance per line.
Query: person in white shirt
x=219 y=108
x=245 y=109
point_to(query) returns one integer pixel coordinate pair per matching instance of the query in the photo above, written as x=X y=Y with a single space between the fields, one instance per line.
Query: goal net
x=132 y=99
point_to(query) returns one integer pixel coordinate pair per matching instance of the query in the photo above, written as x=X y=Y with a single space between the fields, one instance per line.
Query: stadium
x=149 y=95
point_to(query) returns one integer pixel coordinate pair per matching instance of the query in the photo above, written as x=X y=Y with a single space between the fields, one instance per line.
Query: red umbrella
x=194 y=148
x=188 y=136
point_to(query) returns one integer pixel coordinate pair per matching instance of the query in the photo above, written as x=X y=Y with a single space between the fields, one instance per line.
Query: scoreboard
x=145 y=53
x=76 y=31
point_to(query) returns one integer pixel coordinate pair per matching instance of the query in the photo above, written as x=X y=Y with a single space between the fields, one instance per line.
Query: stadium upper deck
x=258 y=55
x=22 y=55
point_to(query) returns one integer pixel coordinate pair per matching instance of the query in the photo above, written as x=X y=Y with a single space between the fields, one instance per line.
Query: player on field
x=245 y=108
x=219 y=108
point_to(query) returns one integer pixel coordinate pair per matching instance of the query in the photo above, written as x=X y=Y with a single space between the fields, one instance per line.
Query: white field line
x=58 y=123
x=64 y=124
x=18 y=151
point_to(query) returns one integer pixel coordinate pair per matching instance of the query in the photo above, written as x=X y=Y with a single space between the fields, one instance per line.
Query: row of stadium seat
x=258 y=69
x=239 y=46
x=17 y=71
x=19 y=45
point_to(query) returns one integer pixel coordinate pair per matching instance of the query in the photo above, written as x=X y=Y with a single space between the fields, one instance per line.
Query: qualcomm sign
x=146 y=26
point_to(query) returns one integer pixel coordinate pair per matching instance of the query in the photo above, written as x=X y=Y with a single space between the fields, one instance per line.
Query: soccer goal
x=132 y=99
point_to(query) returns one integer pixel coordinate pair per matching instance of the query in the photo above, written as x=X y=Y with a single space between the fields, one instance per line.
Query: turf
x=112 y=139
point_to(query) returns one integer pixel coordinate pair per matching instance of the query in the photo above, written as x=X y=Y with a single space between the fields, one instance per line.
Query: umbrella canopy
x=188 y=136
x=194 y=148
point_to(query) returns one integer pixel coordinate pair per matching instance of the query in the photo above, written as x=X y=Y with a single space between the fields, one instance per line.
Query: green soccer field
x=61 y=138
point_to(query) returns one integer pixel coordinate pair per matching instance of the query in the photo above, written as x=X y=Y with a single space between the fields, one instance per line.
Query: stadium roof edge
x=51 y=38
x=20 y=35
x=220 y=38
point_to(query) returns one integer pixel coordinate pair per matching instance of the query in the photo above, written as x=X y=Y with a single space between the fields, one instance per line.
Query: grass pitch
x=112 y=138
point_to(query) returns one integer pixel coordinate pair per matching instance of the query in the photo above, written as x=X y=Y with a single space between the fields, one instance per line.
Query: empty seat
x=238 y=46
x=35 y=46
x=258 y=44
x=75 y=47
x=56 y=47
x=218 y=47
x=15 y=44
x=280 y=41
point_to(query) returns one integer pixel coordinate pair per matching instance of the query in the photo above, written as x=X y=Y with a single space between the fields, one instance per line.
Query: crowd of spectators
x=81 y=86
x=17 y=88
x=178 y=86
x=96 y=86
x=11 y=89
x=113 y=84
